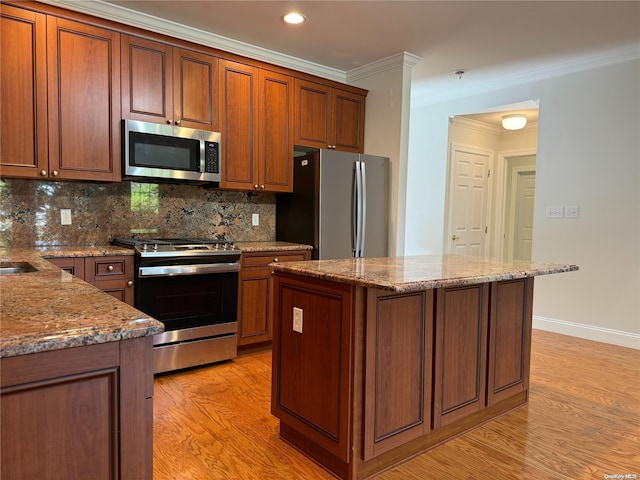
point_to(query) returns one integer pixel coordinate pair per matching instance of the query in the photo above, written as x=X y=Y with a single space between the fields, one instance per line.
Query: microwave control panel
x=212 y=159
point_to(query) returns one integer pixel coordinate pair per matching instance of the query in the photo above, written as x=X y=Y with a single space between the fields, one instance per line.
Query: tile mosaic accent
x=30 y=212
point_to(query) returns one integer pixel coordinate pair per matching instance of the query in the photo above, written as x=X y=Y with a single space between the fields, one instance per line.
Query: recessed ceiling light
x=294 y=18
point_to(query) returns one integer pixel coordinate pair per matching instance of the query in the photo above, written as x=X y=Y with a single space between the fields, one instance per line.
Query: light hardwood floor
x=582 y=422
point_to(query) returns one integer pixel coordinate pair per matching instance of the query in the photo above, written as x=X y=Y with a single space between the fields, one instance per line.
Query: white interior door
x=523 y=214
x=467 y=202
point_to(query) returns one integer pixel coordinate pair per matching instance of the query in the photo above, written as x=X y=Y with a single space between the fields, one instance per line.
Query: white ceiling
x=495 y=42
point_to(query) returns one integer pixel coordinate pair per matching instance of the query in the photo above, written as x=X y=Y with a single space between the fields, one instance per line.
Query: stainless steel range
x=191 y=285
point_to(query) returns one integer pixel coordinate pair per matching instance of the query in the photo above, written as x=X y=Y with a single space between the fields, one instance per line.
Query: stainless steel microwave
x=166 y=152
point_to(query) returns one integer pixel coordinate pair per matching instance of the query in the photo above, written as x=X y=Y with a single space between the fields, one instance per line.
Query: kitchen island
x=376 y=360
x=76 y=375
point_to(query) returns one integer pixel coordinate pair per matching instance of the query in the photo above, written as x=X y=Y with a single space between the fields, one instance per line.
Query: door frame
x=512 y=212
x=449 y=189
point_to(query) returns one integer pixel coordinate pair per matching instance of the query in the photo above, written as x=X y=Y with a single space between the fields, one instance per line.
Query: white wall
x=588 y=156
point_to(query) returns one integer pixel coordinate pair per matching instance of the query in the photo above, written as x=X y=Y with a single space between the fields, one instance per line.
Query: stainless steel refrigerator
x=340 y=204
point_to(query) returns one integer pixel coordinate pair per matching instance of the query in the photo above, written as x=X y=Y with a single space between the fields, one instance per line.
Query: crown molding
x=402 y=59
x=551 y=70
x=132 y=18
x=487 y=127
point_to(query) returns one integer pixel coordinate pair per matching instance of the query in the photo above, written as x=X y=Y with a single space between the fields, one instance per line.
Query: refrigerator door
x=376 y=220
x=336 y=204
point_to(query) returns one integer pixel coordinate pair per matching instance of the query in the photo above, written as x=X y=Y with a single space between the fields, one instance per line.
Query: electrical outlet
x=555 y=212
x=297 y=319
x=571 y=212
x=65 y=216
x=255 y=219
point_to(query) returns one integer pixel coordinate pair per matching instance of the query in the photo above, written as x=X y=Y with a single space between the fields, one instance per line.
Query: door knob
x=454 y=237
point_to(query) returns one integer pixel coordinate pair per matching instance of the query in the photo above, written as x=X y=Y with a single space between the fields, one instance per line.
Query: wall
x=588 y=156
x=30 y=212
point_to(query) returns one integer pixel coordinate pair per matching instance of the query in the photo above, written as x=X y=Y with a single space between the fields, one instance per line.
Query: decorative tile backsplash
x=30 y=212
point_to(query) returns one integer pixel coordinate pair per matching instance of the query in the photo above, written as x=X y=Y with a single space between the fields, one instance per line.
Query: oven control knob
x=155 y=246
x=217 y=246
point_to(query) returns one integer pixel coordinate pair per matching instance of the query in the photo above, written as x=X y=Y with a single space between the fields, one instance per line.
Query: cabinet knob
x=43 y=173
x=55 y=173
x=110 y=268
x=255 y=186
x=169 y=121
x=178 y=122
x=275 y=259
x=261 y=187
x=130 y=283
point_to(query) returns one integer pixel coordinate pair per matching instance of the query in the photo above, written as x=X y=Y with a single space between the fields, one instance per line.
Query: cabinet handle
x=177 y=122
x=130 y=283
x=43 y=173
x=255 y=186
x=110 y=268
x=55 y=173
x=169 y=121
x=275 y=259
x=261 y=187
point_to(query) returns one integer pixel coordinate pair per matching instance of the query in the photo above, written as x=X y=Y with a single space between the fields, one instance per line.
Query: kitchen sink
x=16 y=267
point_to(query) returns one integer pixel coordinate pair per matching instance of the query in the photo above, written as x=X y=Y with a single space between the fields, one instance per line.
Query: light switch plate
x=297 y=319
x=65 y=216
x=571 y=212
x=555 y=212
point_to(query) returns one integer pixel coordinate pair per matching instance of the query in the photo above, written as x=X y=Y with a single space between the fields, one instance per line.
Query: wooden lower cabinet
x=84 y=412
x=376 y=376
x=112 y=274
x=254 y=296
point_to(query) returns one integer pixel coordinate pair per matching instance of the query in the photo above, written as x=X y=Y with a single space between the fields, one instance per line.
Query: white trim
x=588 y=332
x=404 y=59
x=551 y=70
x=147 y=22
x=501 y=183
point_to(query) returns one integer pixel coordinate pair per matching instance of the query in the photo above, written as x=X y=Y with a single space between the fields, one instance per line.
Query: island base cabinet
x=96 y=403
x=375 y=377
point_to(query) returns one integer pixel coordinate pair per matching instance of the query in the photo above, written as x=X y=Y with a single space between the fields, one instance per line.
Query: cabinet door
x=72 y=265
x=119 y=289
x=461 y=351
x=84 y=101
x=23 y=112
x=239 y=125
x=509 y=338
x=195 y=91
x=313 y=111
x=255 y=307
x=276 y=132
x=147 y=80
x=348 y=121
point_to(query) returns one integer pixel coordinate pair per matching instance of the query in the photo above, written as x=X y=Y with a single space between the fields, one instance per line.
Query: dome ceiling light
x=294 y=18
x=514 y=122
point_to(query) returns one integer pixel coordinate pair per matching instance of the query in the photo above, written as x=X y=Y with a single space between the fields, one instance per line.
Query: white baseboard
x=588 y=332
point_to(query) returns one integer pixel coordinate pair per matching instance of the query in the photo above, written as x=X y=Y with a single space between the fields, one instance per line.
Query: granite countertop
x=49 y=309
x=408 y=274
x=270 y=246
x=82 y=251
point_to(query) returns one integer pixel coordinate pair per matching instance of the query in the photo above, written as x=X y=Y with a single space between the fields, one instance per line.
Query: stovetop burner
x=167 y=247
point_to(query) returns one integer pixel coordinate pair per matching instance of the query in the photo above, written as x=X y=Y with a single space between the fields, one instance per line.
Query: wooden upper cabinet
x=23 y=64
x=165 y=84
x=275 y=111
x=84 y=106
x=239 y=125
x=327 y=117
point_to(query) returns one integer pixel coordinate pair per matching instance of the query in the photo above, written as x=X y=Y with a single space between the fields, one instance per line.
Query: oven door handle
x=174 y=270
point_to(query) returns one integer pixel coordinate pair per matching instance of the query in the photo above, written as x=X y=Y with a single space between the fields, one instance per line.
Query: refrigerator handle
x=354 y=210
x=363 y=201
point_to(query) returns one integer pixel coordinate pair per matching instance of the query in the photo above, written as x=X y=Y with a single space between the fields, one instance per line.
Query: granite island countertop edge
x=381 y=272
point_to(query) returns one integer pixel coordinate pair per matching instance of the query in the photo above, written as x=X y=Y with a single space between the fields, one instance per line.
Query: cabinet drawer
x=98 y=268
x=263 y=259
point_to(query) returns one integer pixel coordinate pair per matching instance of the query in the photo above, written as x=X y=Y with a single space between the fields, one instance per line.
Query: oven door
x=190 y=296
